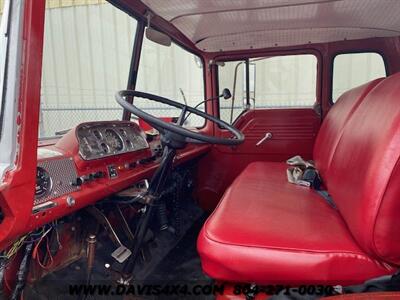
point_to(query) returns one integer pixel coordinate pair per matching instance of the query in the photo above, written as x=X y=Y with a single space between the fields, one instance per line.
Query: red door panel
x=293 y=133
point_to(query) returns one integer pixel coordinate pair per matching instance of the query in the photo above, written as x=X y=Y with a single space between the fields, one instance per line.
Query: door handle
x=267 y=136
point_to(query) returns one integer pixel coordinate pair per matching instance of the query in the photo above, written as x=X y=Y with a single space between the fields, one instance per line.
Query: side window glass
x=232 y=76
x=288 y=81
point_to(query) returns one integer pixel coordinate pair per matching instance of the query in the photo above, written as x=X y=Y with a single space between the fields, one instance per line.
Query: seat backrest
x=364 y=174
x=333 y=125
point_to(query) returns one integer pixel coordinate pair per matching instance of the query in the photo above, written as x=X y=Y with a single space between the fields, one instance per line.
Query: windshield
x=86 y=59
x=174 y=73
x=3 y=54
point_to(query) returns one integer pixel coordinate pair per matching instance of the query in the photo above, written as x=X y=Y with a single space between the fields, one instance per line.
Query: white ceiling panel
x=285 y=37
x=221 y=25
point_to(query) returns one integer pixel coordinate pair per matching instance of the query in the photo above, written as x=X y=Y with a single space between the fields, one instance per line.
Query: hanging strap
x=327 y=197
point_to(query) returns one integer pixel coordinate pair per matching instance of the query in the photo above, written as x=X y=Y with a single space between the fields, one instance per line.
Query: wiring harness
x=31 y=244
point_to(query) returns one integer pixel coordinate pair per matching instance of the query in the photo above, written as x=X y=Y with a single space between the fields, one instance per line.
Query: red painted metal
x=146 y=126
x=217 y=169
x=103 y=187
x=17 y=190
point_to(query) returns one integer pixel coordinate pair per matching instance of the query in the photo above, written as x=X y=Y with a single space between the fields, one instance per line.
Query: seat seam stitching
x=293 y=250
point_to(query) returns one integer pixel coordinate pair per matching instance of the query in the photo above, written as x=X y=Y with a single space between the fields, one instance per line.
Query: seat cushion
x=266 y=230
x=334 y=123
x=364 y=173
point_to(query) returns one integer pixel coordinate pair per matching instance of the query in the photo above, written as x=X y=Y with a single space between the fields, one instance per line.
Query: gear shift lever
x=90 y=255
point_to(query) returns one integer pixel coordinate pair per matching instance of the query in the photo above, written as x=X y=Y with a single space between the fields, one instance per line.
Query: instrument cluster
x=98 y=140
x=54 y=178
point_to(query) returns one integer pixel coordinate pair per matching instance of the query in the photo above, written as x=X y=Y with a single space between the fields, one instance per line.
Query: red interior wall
x=219 y=168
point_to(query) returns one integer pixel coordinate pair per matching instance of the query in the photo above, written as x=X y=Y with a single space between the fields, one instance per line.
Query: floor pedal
x=121 y=254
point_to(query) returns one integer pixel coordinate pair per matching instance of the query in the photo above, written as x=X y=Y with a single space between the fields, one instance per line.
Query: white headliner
x=222 y=25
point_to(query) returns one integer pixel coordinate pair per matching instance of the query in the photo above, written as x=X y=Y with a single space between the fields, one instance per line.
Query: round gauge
x=114 y=140
x=97 y=134
x=104 y=148
x=129 y=144
x=43 y=183
x=85 y=146
x=122 y=131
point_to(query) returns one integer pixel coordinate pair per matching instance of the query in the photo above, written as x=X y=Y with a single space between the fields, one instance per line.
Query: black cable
x=3 y=264
x=129 y=200
x=138 y=198
x=162 y=215
x=197 y=105
x=176 y=200
x=22 y=272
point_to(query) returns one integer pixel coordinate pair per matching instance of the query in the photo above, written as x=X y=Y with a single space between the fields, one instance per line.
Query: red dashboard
x=91 y=162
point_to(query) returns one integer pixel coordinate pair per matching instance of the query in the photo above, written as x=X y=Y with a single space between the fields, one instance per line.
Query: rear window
x=354 y=69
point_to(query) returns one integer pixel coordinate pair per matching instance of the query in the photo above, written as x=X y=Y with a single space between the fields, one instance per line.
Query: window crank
x=267 y=136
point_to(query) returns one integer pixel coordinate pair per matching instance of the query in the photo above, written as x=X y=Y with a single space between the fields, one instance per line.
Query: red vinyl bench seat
x=268 y=231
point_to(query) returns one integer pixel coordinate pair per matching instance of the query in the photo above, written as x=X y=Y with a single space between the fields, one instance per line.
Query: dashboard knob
x=77 y=182
x=70 y=201
x=99 y=174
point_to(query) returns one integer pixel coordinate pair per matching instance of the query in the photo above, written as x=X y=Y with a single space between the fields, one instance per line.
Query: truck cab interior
x=146 y=145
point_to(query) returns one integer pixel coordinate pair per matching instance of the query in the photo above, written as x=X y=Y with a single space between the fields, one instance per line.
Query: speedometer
x=43 y=183
x=114 y=140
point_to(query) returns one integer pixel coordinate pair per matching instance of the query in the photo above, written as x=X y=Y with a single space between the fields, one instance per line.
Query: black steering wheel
x=177 y=128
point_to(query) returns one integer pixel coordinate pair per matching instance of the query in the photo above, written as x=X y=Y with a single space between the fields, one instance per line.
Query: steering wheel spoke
x=193 y=141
